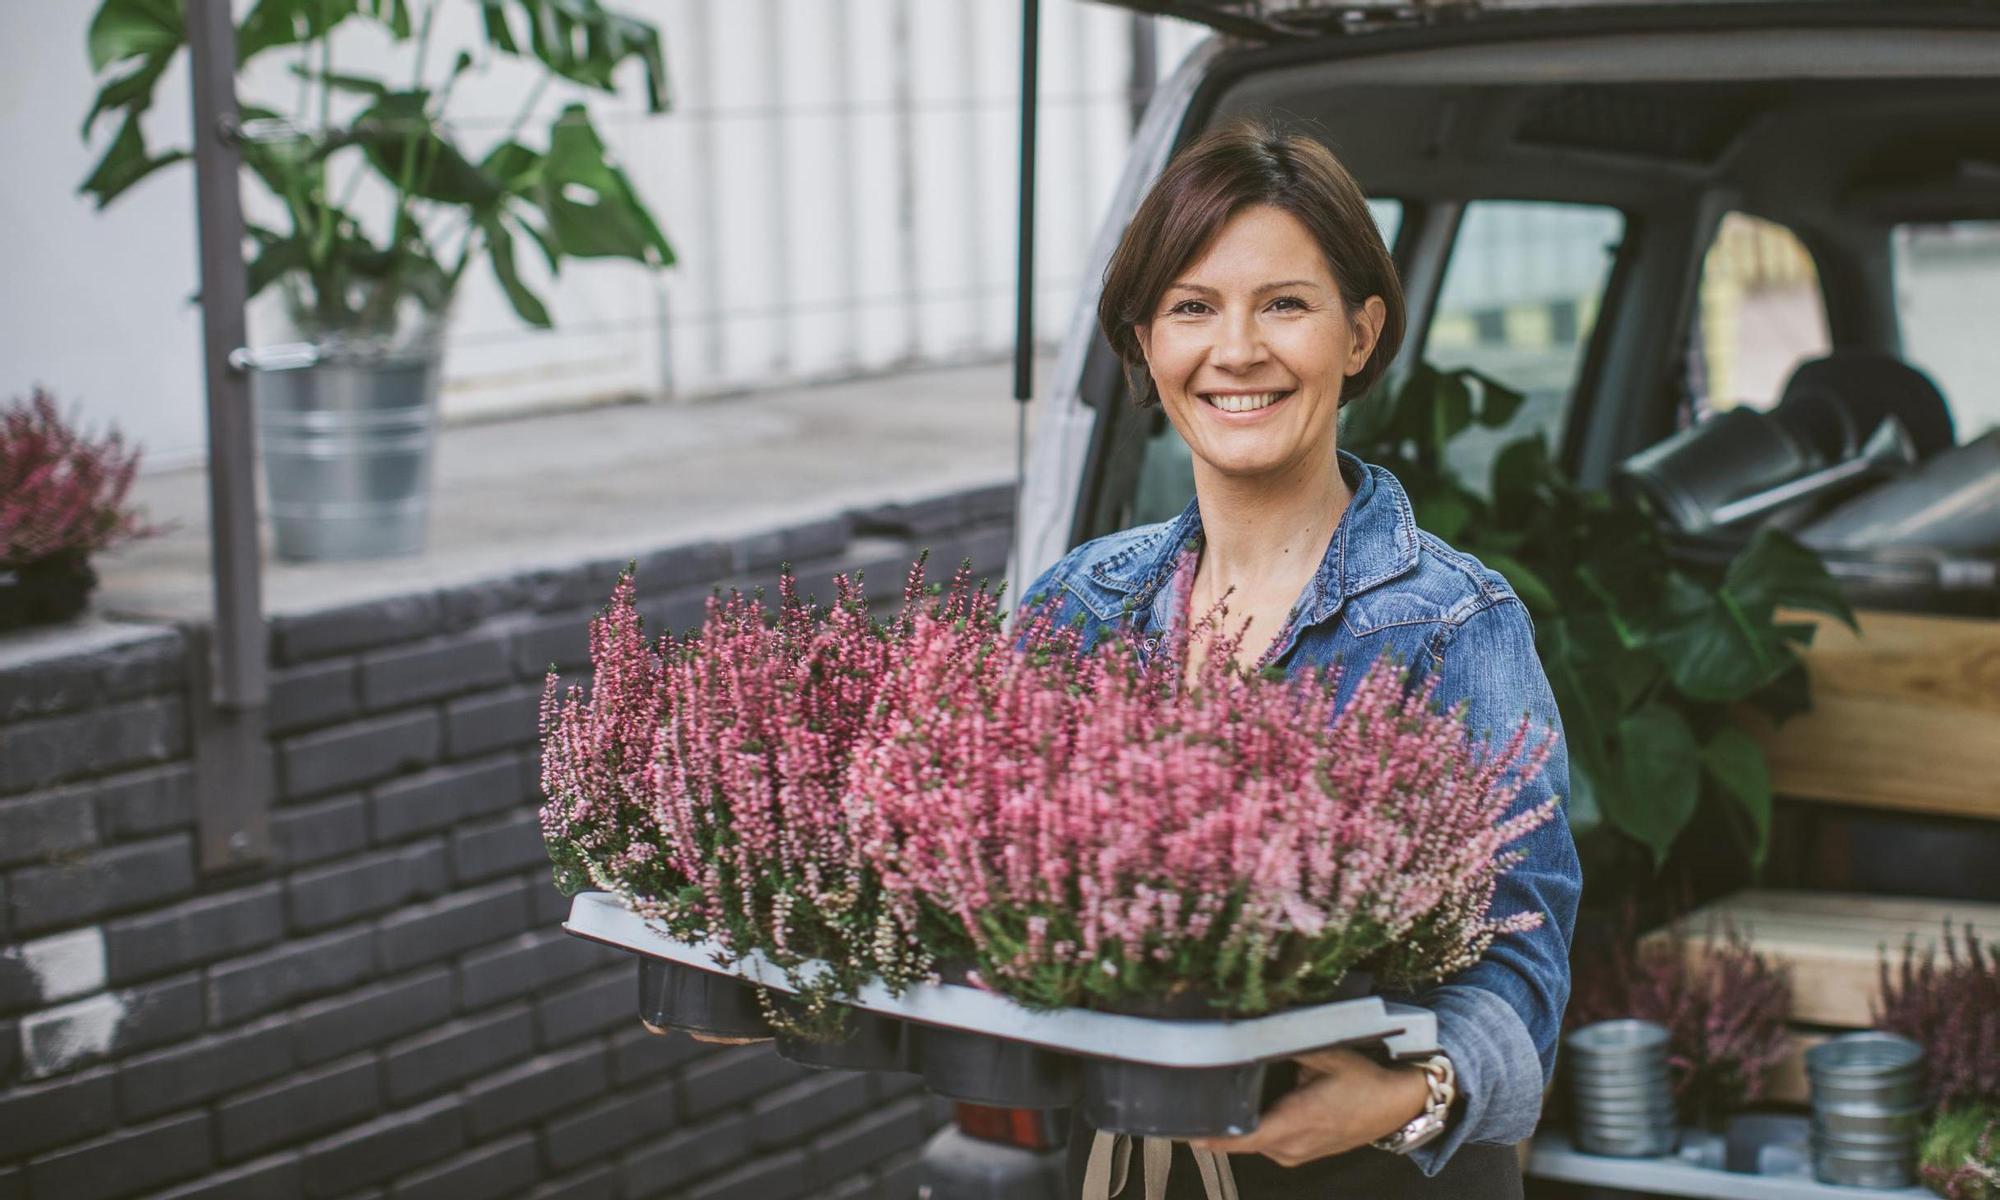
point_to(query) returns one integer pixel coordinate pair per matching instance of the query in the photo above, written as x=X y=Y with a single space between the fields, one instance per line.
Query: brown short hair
x=1248 y=162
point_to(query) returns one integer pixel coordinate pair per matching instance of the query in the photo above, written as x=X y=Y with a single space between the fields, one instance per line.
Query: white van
x=1638 y=214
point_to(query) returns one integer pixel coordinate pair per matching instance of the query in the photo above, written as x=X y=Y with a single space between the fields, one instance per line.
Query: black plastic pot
x=1174 y=1102
x=875 y=1042
x=676 y=996
x=49 y=590
x=1184 y=1102
x=980 y=1069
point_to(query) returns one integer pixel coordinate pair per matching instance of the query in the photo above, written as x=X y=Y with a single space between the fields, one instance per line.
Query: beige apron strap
x=1110 y=1162
x=1159 y=1162
x=1110 y=1166
x=1218 y=1180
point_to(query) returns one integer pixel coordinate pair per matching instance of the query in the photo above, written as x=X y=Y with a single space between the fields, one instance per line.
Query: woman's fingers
x=1344 y=1101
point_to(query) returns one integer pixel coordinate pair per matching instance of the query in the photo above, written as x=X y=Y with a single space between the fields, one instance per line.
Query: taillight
x=1028 y=1128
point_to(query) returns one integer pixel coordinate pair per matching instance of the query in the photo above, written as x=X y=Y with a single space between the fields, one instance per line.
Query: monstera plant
x=446 y=206
x=1652 y=661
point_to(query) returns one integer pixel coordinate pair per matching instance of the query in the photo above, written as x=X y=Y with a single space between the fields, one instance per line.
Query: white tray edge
x=1405 y=1030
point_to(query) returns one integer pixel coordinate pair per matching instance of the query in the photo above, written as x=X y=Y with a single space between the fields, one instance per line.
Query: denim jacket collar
x=1376 y=541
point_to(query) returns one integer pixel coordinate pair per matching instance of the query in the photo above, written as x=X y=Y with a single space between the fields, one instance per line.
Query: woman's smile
x=1239 y=407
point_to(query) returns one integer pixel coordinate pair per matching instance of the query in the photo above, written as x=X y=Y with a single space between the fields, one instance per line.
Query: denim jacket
x=1387 y=586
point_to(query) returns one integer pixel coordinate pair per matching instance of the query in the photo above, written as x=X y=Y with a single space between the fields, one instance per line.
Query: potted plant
x=849 y=806
x=1952 y=1010
x=1724 y=1011
x=1083 y=834
x=62 y=499
x=702 y=781
x=347 y=413
x=1653 y=662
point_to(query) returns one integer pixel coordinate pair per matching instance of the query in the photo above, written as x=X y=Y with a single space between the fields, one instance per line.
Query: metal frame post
x=1024 y=293
x=229 y=694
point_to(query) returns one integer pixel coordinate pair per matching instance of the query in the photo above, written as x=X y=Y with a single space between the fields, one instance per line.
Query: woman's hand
x=1344 y=1099
x=704 y=1037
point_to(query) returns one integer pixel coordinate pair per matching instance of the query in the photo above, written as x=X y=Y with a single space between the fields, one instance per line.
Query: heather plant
x=60 y=490
x=1952 y=1010
x=1724 y=1009
x=1959 y=1157
x=702 y=782
x=1087 y=833
x=597 y=778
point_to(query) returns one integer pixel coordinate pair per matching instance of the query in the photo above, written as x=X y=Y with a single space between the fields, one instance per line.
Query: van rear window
x=1947 y=289
x=1520 y=297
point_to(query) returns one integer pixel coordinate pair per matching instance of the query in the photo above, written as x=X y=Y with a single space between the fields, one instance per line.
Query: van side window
x=1166 y=469
x=1760 y=315
x=1947 y=286
x=1520 y=297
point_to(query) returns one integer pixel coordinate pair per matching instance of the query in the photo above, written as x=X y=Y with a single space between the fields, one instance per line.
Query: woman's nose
x=1238 y=343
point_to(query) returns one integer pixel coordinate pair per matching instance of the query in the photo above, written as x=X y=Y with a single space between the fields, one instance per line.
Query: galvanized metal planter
x=347 y=432
x=1618 y=1082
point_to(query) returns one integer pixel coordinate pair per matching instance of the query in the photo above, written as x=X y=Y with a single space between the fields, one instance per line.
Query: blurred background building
x=837 y=178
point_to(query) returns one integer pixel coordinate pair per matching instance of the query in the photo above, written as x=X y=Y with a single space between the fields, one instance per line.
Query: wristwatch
x=1426 y=1125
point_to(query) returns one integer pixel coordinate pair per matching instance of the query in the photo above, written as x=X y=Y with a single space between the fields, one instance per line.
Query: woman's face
x=1249 y=346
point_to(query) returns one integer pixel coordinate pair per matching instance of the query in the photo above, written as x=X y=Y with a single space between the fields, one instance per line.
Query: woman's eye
x=1294 y=301
x=1185 y=306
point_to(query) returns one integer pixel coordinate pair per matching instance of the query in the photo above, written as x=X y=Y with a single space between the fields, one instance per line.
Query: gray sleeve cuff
x=1499 y=1073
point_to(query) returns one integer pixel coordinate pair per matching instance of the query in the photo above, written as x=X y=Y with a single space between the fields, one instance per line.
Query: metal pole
x=228 y=701
x=902 y=91
x=1145 y=65
x=1024 y=293
x=779 y=196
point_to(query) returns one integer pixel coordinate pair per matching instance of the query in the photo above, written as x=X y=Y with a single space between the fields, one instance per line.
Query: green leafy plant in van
x=1651 y=662
x=446 y=209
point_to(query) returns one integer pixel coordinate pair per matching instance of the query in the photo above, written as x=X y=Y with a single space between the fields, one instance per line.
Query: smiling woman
x=1250 y=298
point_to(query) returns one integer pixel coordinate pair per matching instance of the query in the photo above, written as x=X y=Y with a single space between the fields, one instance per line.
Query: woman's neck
x=1271 y=531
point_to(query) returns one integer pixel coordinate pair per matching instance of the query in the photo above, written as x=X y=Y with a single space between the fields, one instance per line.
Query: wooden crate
x=1833 y=942
x=1905 y=717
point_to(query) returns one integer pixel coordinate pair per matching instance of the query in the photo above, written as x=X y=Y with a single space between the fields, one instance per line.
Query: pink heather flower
x=1072 y=828
x=59 y=489
x=1726 y=1010
x=1088 y=832
x=596 y=760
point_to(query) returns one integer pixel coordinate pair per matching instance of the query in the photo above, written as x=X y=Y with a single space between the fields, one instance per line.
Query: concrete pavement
x=555 y=489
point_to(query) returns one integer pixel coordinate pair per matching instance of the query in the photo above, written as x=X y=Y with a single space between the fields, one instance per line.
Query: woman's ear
x=1366 y=331
x=1142 y=333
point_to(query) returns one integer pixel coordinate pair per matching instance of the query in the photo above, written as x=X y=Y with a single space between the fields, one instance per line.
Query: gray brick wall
x=389 y=1008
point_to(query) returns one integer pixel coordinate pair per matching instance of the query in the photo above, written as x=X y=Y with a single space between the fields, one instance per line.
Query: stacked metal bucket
x=1622 y=1100
x=1866 y=1105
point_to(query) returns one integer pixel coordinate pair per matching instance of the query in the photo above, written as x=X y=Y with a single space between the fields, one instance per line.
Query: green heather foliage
x=1959 y=1157
x=448 y=208
x=1649 y=659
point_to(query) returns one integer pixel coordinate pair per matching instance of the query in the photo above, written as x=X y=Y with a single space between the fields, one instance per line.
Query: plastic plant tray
x=1405 y=1031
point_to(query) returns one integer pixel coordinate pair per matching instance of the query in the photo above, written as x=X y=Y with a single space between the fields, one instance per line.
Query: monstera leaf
x=569 y=199
x=1649 y=661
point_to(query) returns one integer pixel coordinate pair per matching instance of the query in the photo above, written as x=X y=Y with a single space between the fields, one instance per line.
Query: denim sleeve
x=1499 y=1019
